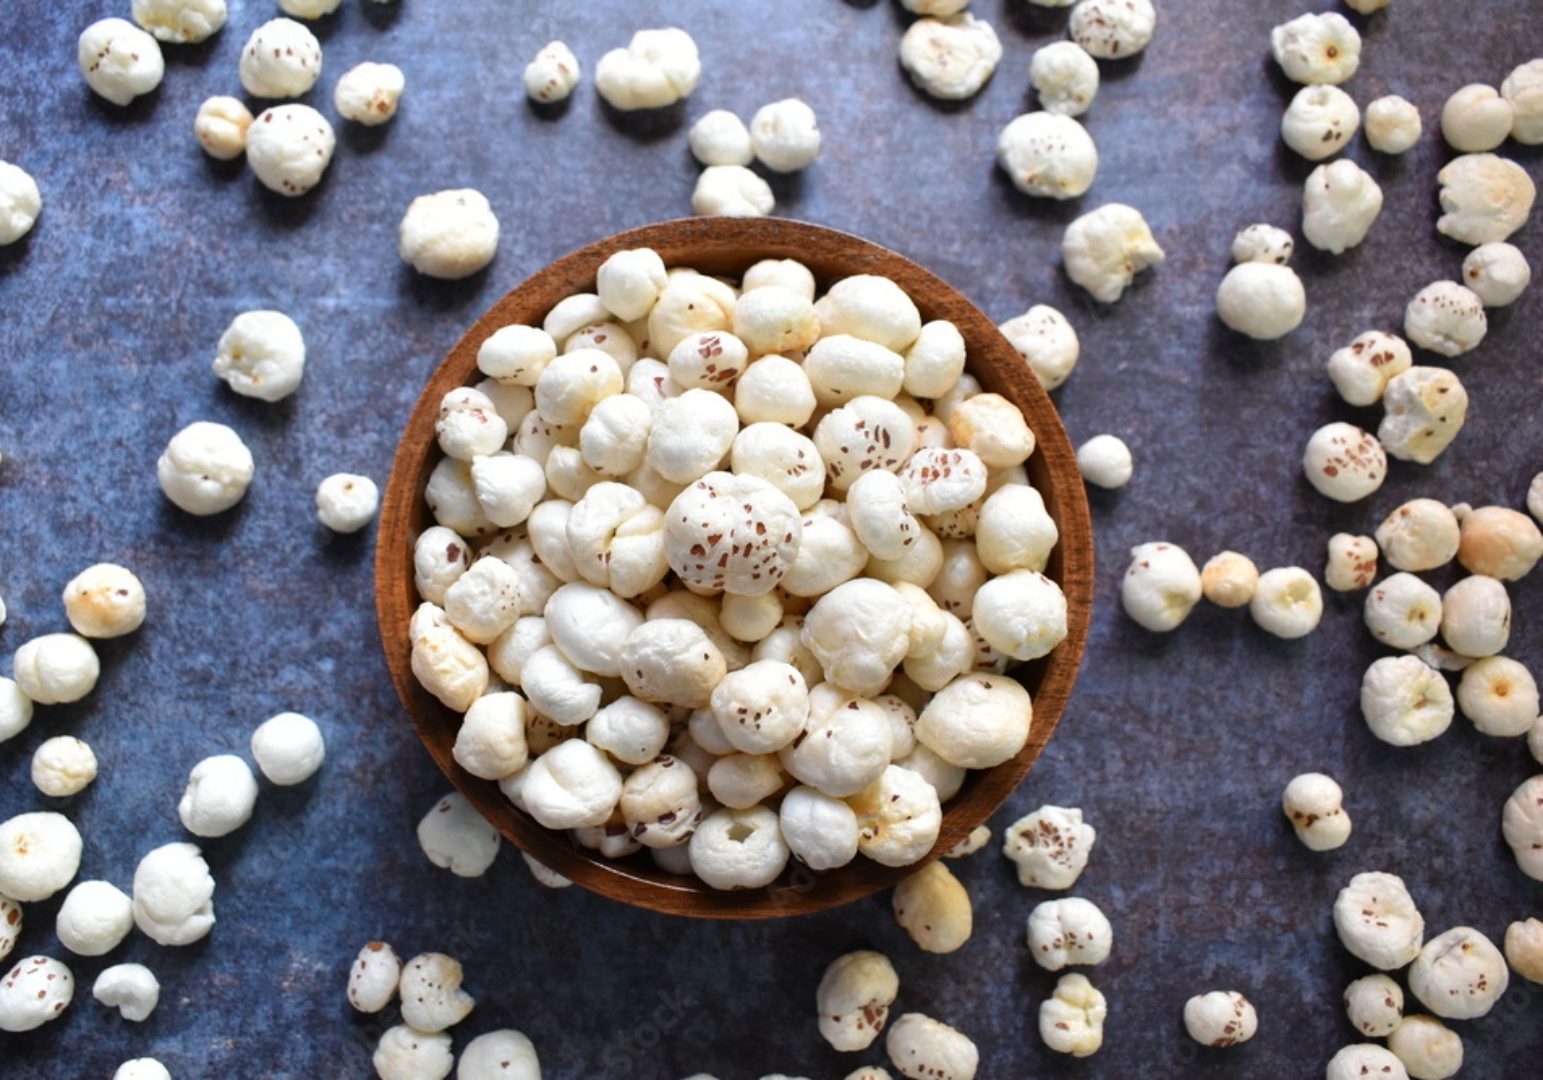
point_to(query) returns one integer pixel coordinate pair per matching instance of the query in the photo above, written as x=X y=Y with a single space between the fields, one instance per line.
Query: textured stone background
x=1176 y=746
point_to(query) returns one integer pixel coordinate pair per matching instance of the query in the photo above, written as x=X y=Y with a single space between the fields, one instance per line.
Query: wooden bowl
x=728 y=246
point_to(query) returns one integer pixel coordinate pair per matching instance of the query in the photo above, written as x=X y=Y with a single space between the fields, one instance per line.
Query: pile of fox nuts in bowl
x=734 y=568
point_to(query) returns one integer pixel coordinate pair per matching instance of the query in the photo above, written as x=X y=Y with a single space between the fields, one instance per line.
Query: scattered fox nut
x=119 y=61
x=1220 y=1018
x=180 y=21
x=132 y=989
x=1340 y=201
x=56 y=669
x=39 y=855
x=1320 y=122
x=1360 y=371
x=282 y=59
x=450 y=234
x=105 y=601
x=20 y=203
x=220 y=795
x=62 y=766
x=1497 y=273
x=1265 y=301
x=552 y=75
x=1392 y=125
x=1377 y=920
x=1161 y=586
x=1428 y=1048
x=657 y=68
x=1521 y=824
x=454 y=835
x=1344 y=462
x=373 y=978
x=1374 y=1005
x=950 y=57
x=1065 y=76
x=205 y=469
x=1314 y=803
x=1363 y=1060
x=926 y=1049
x=1071 y=1019
x=1317 y=48
x=1459 y=974
x=505 y=1054
x=854 y=997
x=1068 y=931
x=1105 y=249
x=1405 y=701
x=35 y=991
x=346 y=502
x=173 y=895
x=1229 y=579
x=1112 y=29
x=1048 y=154
x=1475 y=118
x=432 y=998
x=1446 y=318
x=934 y=908
x=1485 y=198
x=368 y=93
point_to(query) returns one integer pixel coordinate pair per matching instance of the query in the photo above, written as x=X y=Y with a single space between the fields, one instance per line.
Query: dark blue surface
x=1177 y=746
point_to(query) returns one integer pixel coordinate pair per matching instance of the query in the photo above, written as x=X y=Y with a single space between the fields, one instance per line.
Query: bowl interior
x=727 y=246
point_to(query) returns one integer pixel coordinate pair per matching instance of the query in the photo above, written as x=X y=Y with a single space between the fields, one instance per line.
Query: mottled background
x=1176 y=746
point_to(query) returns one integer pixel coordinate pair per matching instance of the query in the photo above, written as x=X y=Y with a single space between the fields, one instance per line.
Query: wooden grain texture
x=728 y=247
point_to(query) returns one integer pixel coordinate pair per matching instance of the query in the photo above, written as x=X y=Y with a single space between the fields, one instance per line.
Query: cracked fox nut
x=854 y=997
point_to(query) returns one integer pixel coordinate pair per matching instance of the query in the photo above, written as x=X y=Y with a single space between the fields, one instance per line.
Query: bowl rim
x=719 y=245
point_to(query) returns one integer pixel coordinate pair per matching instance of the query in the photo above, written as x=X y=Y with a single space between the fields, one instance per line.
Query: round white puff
x=1315 y=805
x=785 y=135
x=672 y=661
x=447 y=665
x=372 y=980
x=1220 y=1018
x=289 y=148
x=346 y=502
x=1113 y=29
x=950 y=57
x=1475 y=118
x=1484 y=198
x=570 y=786
x=731 y=191
x=937 y=480
x=845 y=744
x=819 y=829
x=782 y=457
x=657 y=68
x=898 y=817
x=1374 y=1005
x=1392 y=125
x=859 y=633
x=505 y=1054
x=1496 y=273
x=1071 y=1019
x=1104 y=249
x=1046 y=341
x=771 y=319
x=1050 y=846
x=1365 y=1059
x=1499 y=542
x=553 y=74
x=629 y=282
x=1427 y=1047
x=1262 y=300
x=1262 y=243
x=1521 y=823
x=1320 y=121
x=573 y=383
x=368 y=93
x=180 y=21
x=720 y=137
x=454 y=835
x=1065 y=76
x=119 y=61
x=977 y=721
x=1476 y=616
x=774 y=389
x=1048 y=154
x=516 y=354
x=1405 y=701
x=1317 y=48
x=221 y=127
x=869 y=432
x=1068 y=931
x=1340 y=201
x=288 y=748
x=1105 y=461
x=174 y=895
x=1377 y=920
x=1360 y=371
x=94 y=918
x=1421 y=534
x=691 y=435
x=105 y=601
x=631 y=731
x=56 y=669
x=282 y=58
x=63 y=766
x=1424 y=409
x=205 y=468
x=661 y=803
x=134 y=991
x=854 y=997
x=841 y=367
x=935 y=360
x=404 y=1053
x=739 y=849
x=1459 y=974
x=1523 y=88
x=20 y=203
x=491 y=741
x=1446 y=318
x=1161 y=586
x=1287 y=602
x=934 y=908
x=1344 y=462
x=36 y=990
x=220 y=796
x=1403 y=611
x=440 y=556
x=761 y=707
x=450 y=235
x=1229 y=579
x=730 y=532
x=920 y=1046
x=1021 y=613
x=872 y=308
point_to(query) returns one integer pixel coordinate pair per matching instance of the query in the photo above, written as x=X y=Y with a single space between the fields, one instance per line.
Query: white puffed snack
x=774 y=389
x=309 y=9
x=1446 y=318
x=629 y=282
x=933 y=906
x=1071 y=1019
x=1161 y=586
x=174 y=895
x=854 y=997
x=926 y=1049
x=1068 y=931
x=119 y=61
x=346 y=502
x=1315 y=805
x=977 y=721
x=785 y=135
x=1065 y=76
x=516 y=354
x=738 y=849
x=220 y=796
x=373 y=978
x=1523 y=88
x=1497 y=273
x=1220 y=1018
x=1476 y=616
x=1105 y=249
x=552 y=75
x=1484 y=198
x=993 y=428
x=1428 y=1048
x=1317 y=48
x=455 y=836
x=1229 y=579
x=1424 y=409
x=368 y=93
x=451 y=235
x=1050 y=847
x=572 y=785
x=261 y=354
x=1113 y=29
x=505 y=1054
x=282 y=58
x=871 y=308
x=1021 y=614
x=734 y=533
x=39 y=855
x=1405 y=701
x=55 y=669
x=62 y=766
x=1403 y=611
x=846 y=743
x=221 y=127
x=657 y=68
x=1392 y=125
x=761 y=707
x=771 y=319
x=1046 y=341
x=1266 y=301
x=690 y=436
x=289 y=749
x=205 y=468
x=1524 y=949
x=1362 y=1060
x=1377 y=920
x=952 y=56
x=439 y=558
x=1344 y=462
x=1262 y=243
x=1048 y=154
x=94 y=918
x=20 y=203
x=289 y=148
x=1374 y=1005
x=132 y=989
x=35 y=991
x=10 y=924
x=720 y=137
x=819 y=829
x=1105 y=461
x=1360 y=371
x=898 y=817
x=1320 y=121
x=1522 y=825
x=432 y=998
x=405 y=1053
x=105 y=601
x=1352 y=562
x=180 y=21
x=1459 y=974
x=858 y=632
x=1340 y=201
x=1475 y=118
x=1499 y=542
x=1421 y=534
